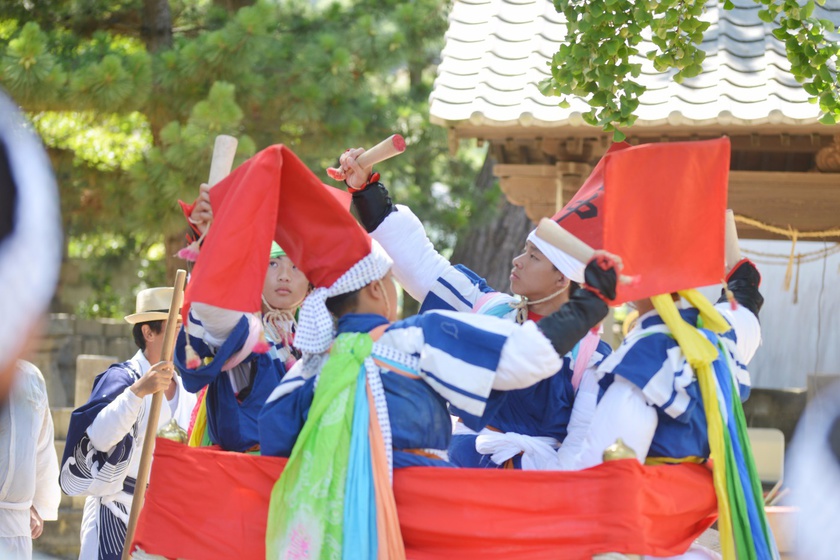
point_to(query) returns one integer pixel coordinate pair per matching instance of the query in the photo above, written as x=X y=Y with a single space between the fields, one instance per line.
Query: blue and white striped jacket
x=458 y=358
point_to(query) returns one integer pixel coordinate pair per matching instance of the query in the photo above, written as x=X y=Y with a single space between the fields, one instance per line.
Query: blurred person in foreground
x=30 y=256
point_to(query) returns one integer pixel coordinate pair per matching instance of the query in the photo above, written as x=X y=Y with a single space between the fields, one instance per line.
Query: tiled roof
x=498 y=50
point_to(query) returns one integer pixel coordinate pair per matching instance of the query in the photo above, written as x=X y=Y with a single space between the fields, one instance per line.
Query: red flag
x=272 y=196
x=212 y=505
x=661 y=208
x=583 y=215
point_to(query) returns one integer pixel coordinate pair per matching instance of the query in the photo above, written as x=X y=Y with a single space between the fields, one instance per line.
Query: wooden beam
x=803 y=201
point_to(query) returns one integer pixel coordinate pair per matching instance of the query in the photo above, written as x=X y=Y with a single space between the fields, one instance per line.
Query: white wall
x=790 y=350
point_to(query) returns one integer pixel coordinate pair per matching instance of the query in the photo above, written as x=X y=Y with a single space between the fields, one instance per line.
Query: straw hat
x=152 y=305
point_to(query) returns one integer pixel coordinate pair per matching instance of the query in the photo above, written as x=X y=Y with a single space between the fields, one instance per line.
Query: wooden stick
x=224 y=150
x=551 y=232
x=733 y=251
x=392 y=146
x=154 y=414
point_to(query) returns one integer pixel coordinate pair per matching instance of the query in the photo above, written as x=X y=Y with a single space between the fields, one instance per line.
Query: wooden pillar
x=570 y=176
x=828 y=159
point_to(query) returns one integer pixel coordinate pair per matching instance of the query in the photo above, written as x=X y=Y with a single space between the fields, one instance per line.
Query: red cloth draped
x=661 y=208
x=212 y=505
x=272 y=196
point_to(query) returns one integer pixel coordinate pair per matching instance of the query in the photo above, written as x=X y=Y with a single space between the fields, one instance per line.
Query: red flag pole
x=392 y=146
x=551 y=232
x=733 y=251
x=224 y=150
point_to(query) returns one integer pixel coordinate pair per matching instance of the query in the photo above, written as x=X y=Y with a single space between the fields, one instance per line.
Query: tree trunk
x=233 y=6
x=173 y=242
x=489 y=247
x=156 y=29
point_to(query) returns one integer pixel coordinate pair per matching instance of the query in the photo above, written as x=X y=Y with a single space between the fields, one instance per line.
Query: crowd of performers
x=479 y=378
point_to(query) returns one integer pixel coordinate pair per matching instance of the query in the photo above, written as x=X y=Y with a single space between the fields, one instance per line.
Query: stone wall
x=65 y=338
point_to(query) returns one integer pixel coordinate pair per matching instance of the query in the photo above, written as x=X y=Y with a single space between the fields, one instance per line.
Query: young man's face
x=533 y=275
x=285 y=286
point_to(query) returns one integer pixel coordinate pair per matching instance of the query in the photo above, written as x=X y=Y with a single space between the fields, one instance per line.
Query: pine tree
x=164 y=78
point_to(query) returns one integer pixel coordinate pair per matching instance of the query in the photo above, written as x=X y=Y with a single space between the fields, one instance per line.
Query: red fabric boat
x=204 y=504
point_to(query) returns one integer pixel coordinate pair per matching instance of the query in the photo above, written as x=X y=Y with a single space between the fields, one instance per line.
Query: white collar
x=143 y=364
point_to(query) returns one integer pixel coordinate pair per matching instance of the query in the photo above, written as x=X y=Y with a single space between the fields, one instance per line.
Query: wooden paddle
x=551 y=232
x=392 y=146
x=733 y=251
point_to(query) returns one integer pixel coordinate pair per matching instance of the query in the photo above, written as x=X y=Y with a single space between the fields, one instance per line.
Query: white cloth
x=417 y=265
x=622 y=413
x=30 y=256
x=814 y=479
x=583 y=411
x=315 y=324
x=571 y=268
x=109 y=428
x=28 y=462
x=538 y=453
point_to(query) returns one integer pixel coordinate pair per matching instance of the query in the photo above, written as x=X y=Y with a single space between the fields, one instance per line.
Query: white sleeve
x=622 y=413
x=527 y=357
x=583 y=410
x=47 y=491
x=747 y=329
x=417 y=264
x=114 y=421
x=217 y=323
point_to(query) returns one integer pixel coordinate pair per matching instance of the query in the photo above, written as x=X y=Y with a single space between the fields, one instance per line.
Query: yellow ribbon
x=200 y=425
x=700 y=353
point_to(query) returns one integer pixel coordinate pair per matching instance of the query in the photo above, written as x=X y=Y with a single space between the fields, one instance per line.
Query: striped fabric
x=666 y=383
x=112 y=530
x=84 y=470
x=651 y=359
x=235 y=396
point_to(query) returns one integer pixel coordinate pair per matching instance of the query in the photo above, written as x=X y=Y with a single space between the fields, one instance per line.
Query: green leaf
x=829 y=119
x=618 y=136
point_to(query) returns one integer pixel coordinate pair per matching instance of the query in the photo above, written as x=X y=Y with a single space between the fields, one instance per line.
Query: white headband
x=570 y=267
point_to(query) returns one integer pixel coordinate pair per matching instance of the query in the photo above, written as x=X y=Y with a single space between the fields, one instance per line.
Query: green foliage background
x=130 y=124
x=598 y=59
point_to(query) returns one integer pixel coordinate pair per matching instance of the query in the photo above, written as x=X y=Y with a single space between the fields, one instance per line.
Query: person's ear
x=147 y=332
x=375 y=290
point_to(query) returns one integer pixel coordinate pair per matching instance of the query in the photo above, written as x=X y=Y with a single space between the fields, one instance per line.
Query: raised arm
x=743 y=282
x=419 y=268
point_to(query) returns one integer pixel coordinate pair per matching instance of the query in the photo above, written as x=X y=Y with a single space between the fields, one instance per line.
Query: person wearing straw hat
x=533 y=422
x=105 y=435
x=30 y=257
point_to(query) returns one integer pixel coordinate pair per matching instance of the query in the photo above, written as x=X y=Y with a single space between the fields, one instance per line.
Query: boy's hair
x=343 y=304
x=137 y=332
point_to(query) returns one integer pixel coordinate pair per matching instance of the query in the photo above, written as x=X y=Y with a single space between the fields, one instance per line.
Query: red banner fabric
x=212 y=505
x=664 y=214
x=583 y=215
x=661 y=208
x=272 y=196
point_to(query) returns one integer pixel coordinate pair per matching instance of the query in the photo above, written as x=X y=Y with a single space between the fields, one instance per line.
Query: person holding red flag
x=674 y=387
x=528 y=427
x=227 y=412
